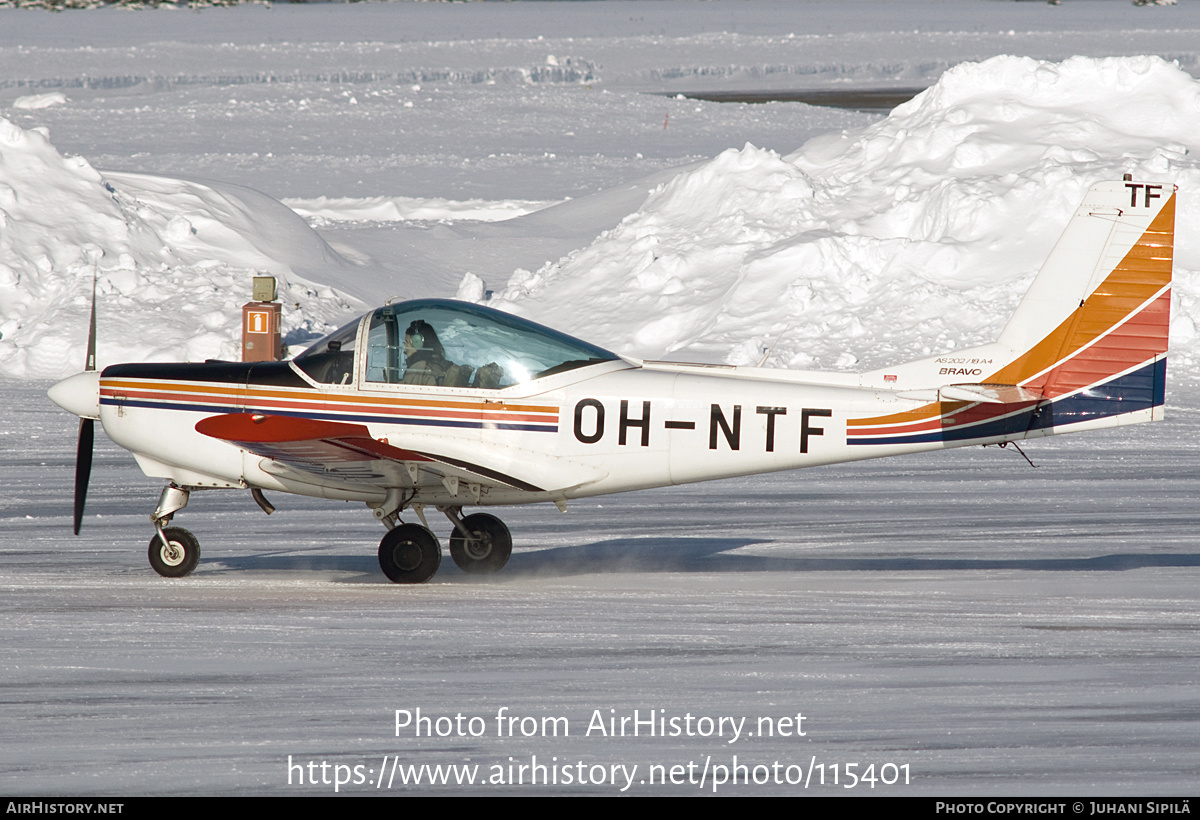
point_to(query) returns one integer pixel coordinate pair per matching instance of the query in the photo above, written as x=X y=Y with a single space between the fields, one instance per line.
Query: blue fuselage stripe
x=1142 y=389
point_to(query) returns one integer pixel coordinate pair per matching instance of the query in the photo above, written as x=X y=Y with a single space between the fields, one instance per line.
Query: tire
x=488 y=551
x=409 y=554
x=180 y=559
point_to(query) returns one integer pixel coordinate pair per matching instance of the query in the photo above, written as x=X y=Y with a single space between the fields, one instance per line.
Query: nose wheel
x=174 y=554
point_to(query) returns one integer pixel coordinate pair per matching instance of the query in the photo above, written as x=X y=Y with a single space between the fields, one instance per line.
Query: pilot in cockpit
x=424 y=356
x=425 y=359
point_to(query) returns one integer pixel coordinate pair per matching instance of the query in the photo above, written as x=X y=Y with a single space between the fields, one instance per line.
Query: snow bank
x=173 y=257
x=326 y=210
x=913 y=235
x=34 y=102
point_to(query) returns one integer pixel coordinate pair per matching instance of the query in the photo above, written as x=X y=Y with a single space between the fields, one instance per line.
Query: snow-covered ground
x=999 y=629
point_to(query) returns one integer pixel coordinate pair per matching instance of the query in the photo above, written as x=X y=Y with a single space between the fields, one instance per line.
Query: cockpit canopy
x=448 y=344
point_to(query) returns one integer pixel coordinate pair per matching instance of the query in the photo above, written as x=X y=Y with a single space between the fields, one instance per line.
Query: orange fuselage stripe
x=254 y=397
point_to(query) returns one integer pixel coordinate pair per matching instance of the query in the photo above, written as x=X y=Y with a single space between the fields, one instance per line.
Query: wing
x=349 y=454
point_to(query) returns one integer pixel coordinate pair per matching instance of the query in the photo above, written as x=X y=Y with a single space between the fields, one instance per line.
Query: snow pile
x=326 y=210
x=913 y=235
x=173 y=259
x=34 y=102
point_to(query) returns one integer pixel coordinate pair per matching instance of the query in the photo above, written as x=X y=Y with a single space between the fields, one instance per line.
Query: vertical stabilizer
x=1086 y=347
x=1100 y=308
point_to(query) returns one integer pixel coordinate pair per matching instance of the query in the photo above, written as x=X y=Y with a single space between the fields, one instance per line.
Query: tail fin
x=1086 y=347
x=1096 y=316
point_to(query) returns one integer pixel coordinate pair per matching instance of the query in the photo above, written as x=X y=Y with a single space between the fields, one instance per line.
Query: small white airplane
x=435 y=403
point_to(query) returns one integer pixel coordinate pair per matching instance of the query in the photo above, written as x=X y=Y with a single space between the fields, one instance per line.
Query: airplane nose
x=78 y=394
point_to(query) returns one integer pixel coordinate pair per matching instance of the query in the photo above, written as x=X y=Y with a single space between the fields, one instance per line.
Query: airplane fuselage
x=627 y=428
x=608 y=428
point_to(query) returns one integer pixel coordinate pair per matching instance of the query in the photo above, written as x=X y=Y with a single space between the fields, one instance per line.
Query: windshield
x=331 y=360
x=456 y=344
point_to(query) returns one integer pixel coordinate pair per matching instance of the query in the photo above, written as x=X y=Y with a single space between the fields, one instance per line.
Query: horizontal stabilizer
x=988 y=393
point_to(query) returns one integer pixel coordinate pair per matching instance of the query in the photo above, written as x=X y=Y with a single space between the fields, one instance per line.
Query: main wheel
x=409 y=554
x=179 y=557
x=488 y=548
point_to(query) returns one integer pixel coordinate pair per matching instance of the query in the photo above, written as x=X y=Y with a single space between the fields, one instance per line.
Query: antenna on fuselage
x=767 y=353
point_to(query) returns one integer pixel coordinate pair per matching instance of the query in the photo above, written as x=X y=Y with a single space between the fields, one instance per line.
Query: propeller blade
x=87 y=429
x=91 y=343
x=83 y=467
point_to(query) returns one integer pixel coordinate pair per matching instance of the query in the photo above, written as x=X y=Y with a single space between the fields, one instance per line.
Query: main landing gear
x=485 y=549
x=411 y=554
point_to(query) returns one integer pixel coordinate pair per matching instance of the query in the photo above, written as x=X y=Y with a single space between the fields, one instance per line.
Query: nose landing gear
x=174 y=552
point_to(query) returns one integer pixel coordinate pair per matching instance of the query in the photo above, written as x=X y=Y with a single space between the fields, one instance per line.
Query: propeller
x=87 y=427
